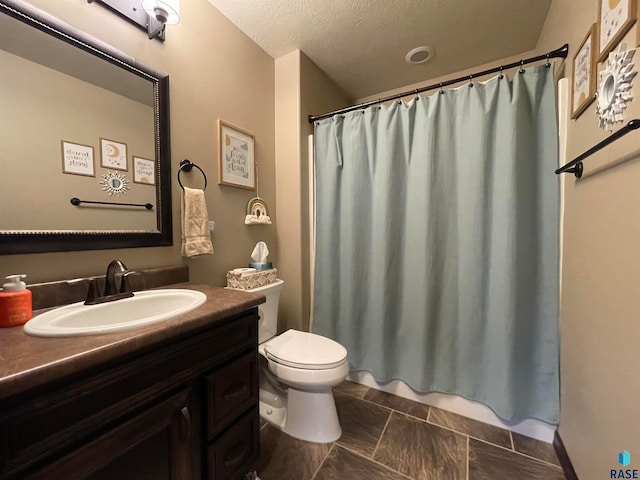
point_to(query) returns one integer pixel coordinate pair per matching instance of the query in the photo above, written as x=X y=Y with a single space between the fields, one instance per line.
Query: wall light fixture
x=150 y=15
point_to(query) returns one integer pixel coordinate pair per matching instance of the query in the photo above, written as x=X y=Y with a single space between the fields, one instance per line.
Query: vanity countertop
x=28 y=362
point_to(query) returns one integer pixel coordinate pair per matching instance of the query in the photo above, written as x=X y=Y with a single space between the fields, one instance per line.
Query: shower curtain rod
x=559 y=53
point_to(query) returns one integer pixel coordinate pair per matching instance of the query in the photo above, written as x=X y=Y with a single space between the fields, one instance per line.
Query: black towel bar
x=187 y=165
x=76 y=201
x=575 y=165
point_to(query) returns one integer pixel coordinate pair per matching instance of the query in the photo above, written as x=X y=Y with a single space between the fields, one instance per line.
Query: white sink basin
x=144 y=308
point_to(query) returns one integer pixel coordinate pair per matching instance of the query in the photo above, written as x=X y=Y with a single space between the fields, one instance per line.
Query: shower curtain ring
x=470 y=81
x=416 y=94
x=521 y=64
x=441 y=90
x=548 y=64
x=501 y=76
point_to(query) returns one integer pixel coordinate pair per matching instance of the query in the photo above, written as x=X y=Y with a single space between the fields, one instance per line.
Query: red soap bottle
x=15 y=302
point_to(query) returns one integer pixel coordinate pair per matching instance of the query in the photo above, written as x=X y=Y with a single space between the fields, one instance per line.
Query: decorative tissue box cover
x=247 y=281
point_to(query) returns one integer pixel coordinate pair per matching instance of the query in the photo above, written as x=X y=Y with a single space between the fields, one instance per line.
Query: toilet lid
x=305 y=350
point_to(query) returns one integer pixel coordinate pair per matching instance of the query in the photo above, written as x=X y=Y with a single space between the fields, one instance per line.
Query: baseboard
x=563 y=457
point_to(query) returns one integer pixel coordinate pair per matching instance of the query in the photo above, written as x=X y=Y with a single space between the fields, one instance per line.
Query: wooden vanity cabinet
x=186 y=409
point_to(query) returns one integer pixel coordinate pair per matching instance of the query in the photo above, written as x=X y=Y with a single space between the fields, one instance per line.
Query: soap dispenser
x=15 y=302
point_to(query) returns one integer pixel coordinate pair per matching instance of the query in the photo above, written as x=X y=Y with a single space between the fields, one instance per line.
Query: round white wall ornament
x=614 y=88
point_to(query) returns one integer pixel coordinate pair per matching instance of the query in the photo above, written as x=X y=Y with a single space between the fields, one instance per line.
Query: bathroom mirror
x=84 y=140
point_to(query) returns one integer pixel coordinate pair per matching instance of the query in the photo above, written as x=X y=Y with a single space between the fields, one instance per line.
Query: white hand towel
x=196 y=239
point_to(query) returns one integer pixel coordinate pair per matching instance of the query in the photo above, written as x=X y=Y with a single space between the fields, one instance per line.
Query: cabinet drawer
x=230 y=392
x=237 y=450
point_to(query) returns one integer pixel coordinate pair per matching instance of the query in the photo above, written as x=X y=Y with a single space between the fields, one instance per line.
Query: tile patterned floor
x=385 y=437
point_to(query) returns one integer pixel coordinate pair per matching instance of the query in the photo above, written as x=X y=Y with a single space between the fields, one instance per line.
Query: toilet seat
x=308 y=351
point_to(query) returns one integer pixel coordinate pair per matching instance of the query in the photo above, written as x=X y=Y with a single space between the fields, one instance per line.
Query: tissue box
x=247 y=281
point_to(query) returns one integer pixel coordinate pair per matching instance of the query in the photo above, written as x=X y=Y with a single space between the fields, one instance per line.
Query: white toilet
x=297 y=374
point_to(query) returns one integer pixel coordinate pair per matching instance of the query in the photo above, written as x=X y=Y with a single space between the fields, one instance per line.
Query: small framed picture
x=113 y=154
x=236 y=163
x=77 y=159
x=144 y=171
x=615 y=18
x=583 y=87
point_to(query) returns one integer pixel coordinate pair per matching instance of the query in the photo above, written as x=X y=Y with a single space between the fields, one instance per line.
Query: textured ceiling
x=361 y=44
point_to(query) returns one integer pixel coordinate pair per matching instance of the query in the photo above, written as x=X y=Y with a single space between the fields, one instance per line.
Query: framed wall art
x=615 y=18
x=144 y=171
x=583 y=86
x=77 y=159
x=236 y=161
x=113 y=154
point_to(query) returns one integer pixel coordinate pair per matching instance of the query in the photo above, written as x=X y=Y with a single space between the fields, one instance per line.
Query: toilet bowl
x=298 y=371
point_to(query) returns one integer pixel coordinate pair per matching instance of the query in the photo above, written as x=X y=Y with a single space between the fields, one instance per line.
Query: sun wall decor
x=614 y=90
x=115 y=183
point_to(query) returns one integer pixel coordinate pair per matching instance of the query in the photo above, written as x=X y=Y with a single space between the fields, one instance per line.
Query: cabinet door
x=153 y=445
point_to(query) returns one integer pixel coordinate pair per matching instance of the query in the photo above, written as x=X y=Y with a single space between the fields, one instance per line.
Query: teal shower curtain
x=437 y=242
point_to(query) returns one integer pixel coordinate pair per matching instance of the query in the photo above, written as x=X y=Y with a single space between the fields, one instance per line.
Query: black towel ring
x=187 y=165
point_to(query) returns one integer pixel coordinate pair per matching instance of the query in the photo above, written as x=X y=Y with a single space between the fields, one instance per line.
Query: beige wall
x=215 y=72
x=287 y=107
x=301 y=89
x=600 y=307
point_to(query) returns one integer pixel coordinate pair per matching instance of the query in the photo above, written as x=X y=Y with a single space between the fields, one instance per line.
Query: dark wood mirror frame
x=20 y=242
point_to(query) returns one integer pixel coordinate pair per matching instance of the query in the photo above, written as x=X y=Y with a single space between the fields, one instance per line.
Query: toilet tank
x=268 y=312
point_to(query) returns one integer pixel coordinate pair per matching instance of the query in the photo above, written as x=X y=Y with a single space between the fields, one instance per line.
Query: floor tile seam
x=468 y=453
x=350 y=394
x=469 y=435
x=520 y=453
x=386 y=424
x=323 y=460
x=371 y=459
x=395 y=409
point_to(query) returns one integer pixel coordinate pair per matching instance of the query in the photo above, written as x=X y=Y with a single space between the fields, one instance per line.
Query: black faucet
x=111 y=290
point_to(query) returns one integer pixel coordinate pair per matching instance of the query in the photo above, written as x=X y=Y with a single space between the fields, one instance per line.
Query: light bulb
x=164 y=11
